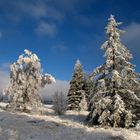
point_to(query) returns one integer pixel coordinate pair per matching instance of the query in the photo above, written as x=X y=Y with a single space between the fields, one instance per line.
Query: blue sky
x=62 y=31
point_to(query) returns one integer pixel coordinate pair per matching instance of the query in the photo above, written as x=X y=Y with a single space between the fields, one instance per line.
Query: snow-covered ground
x=22 y=126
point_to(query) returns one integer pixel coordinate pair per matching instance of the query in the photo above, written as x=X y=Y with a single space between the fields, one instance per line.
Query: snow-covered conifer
x=76 y=90
x=83 y=104
x=26 y=79
x=88 y=88
x=115 y=100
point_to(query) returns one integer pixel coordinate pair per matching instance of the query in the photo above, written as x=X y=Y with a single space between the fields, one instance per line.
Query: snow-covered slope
x=15 y=126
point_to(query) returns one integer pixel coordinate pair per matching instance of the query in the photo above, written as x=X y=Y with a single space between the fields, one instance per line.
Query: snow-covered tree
x=88 y=88
x=75 y=94
x=26 y=79
x=115 y=100
x=83 y=103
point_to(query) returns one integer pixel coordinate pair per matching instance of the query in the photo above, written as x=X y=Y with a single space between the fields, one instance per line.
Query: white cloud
x=55 y=14
x=45 y=93
x=18 y=10
x=45 y=28
x=5 y=66
x=4 y=80
x=49 y=90
x=4 y=76
x=39 y=10
x=131 y=37
x=60 y=47
x=71 y=5
x=36 y=10
x=66 y=5
x=53 y=11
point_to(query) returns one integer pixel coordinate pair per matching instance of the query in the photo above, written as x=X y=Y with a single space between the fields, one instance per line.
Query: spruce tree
x=76 y=92
x=88 y=88
x=115 y=100
x=26 y=79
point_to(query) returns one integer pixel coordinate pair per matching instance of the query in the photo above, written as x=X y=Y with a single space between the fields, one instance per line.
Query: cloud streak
x=46 y=93
x=131 y=37
x=5 y=66
x=45 y=28
x=60 y=86
x=39 y=11
x=44 y=10
x=4 y=80
x=35 y=9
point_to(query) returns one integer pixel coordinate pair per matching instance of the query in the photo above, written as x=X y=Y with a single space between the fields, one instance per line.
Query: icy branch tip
x=27 y=52
x=51 y=78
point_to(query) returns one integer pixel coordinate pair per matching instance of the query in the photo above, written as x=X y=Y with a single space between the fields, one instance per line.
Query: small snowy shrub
x=59 y=103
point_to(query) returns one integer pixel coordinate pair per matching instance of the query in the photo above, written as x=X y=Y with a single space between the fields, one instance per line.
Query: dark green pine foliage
x=115 y=101
x=88 y=88
x=76 y=92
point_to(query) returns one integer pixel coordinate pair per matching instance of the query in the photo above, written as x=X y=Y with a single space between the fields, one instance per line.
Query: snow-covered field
x=22 y=126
